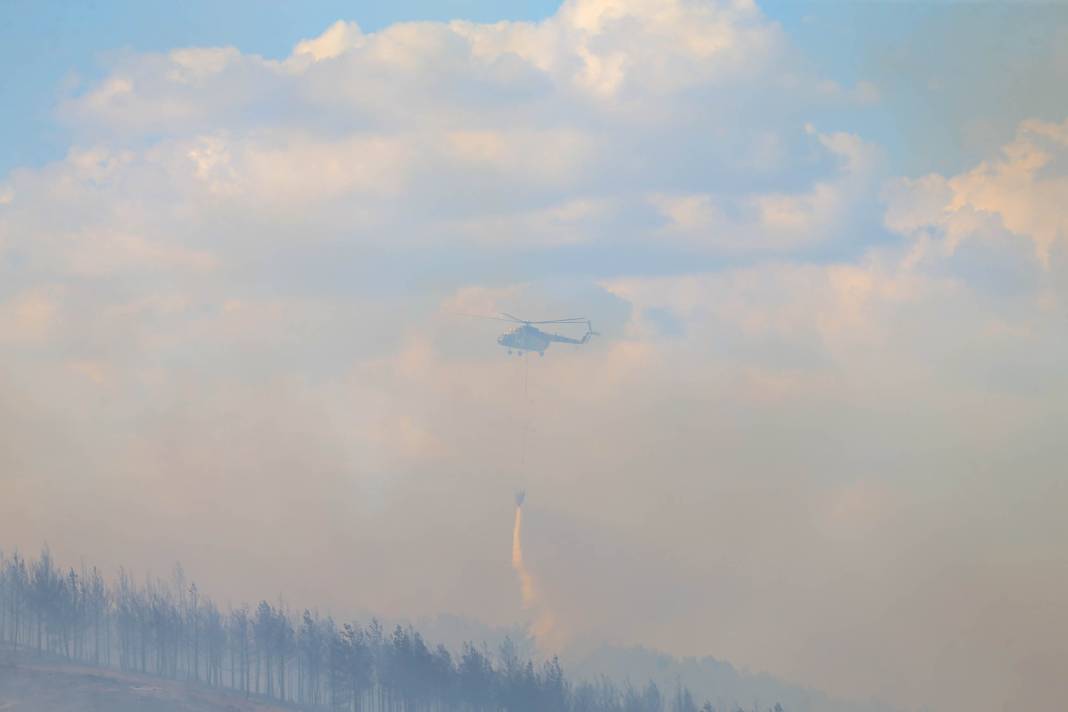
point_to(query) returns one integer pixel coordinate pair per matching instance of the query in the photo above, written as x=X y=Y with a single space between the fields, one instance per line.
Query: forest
x=170 y=629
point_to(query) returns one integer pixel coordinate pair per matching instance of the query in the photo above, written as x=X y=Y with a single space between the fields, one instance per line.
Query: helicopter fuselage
x=530 y=338
x=526 y=338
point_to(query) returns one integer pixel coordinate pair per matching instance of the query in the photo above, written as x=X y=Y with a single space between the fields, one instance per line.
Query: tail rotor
x=589 y=332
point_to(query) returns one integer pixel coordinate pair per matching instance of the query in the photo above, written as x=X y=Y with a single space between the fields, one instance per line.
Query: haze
x=820 y=435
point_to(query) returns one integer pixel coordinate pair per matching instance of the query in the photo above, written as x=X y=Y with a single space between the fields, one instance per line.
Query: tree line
x=169 y=628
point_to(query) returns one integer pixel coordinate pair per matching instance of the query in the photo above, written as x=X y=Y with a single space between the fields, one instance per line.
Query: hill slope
x=69 y=688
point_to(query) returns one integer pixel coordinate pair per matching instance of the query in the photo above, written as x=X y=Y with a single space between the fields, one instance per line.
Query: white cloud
x=339 y=38
x=776 y=221
x=196 y=65
x=1021 y=192
x=512 y=134
x=610 y=49
x=841 y=311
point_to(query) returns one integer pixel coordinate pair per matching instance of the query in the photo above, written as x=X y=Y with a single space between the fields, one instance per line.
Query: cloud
x=591 y=50
x=1018 y=194
x=339 y=38
x=521 y=121
x=776 y=221
x=619 y=50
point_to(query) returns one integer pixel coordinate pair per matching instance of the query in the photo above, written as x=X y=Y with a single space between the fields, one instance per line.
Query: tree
x=172 y=629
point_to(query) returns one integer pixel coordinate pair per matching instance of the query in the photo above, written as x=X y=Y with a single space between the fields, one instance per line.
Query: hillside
x=717 y=681
x=709 y=679
x=72 y=688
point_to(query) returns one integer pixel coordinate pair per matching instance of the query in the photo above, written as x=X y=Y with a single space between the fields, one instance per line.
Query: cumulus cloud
x=1018 y=194
x=776 y=221
x=494 y=124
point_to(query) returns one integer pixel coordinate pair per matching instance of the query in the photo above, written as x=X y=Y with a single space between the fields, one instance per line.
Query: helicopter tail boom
x=568 y=340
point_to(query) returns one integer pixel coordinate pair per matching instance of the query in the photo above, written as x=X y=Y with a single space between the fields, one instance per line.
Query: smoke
x=544 y=629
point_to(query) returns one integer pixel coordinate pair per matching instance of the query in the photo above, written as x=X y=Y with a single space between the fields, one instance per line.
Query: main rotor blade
x=573 y=320
x=478 y=316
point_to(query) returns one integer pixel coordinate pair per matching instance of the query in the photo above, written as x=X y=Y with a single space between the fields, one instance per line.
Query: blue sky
x=825 y=246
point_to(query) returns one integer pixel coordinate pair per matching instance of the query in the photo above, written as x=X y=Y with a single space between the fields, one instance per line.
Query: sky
x=819 y=434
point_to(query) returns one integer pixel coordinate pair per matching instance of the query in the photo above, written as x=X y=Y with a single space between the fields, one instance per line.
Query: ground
x=31 y=687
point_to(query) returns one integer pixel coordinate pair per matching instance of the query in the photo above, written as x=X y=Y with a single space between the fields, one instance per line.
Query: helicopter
x=528 y=337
